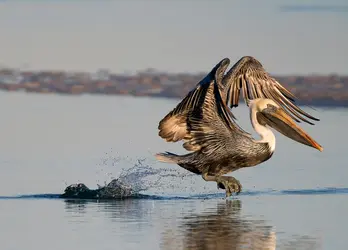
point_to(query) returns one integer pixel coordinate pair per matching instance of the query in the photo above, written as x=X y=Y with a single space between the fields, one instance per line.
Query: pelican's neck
x=266 y=134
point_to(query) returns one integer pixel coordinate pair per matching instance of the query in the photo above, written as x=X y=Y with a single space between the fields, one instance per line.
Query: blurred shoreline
x=315 y=90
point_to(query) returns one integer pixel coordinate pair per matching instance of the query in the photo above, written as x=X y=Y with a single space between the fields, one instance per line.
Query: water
x=296 y=200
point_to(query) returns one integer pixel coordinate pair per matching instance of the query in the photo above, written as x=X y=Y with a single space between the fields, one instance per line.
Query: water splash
x=142 y=177
x=145 y=175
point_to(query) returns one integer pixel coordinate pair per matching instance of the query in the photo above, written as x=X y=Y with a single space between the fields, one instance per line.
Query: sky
x=288 y=37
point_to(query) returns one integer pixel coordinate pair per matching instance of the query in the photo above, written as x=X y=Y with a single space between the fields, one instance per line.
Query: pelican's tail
x=168 y=157
x=184 y=161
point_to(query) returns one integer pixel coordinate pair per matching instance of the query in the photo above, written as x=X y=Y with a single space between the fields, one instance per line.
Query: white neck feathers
x=266 y=134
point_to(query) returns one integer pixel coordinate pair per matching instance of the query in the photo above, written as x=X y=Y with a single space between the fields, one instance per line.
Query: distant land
x=315 y=90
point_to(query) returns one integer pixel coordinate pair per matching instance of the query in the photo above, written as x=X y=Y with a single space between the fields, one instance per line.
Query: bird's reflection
x=221 y=226
x=222 y=229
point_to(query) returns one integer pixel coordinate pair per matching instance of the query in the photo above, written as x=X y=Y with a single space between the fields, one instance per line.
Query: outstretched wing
x=173 y=127
x=249 y=76
x=212 y=126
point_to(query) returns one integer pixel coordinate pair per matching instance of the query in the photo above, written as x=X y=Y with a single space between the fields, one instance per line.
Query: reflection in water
x=119 y=210
x=220 y=229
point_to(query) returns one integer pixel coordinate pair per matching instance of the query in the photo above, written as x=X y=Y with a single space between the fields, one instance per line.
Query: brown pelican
x=209 y=129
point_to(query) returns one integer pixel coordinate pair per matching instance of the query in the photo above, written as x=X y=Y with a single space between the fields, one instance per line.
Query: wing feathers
x=249 y=74
x=173 y=127
x=212 y=127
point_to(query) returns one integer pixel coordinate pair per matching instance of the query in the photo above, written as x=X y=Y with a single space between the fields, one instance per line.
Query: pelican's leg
x=229 y=183
x=232 y=184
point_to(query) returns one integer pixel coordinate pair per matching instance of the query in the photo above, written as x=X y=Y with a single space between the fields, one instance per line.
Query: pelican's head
x=269 y=113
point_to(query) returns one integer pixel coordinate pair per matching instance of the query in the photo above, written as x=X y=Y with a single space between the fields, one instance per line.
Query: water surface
x=296 y=200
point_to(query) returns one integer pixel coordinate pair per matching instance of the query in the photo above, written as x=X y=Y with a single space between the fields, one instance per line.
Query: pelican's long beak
x=283 y=123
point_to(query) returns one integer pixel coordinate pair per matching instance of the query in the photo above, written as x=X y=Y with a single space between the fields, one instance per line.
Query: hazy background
x=288 y=37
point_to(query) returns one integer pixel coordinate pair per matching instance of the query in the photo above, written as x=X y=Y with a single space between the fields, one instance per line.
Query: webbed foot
x=230 y=184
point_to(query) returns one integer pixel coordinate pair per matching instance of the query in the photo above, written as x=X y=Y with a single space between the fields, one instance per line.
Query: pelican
x=209 y=129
